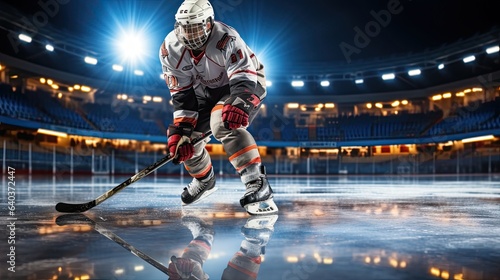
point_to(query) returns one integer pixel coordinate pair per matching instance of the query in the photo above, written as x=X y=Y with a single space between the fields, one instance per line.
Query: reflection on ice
x=341 y=227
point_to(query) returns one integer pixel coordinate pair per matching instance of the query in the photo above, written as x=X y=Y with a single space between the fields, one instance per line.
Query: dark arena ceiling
x=338 y=41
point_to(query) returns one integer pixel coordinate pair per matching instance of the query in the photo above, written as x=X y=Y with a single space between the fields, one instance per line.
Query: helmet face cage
x=192 y=36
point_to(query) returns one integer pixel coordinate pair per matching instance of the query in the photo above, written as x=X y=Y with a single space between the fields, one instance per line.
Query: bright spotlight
x=325 y=83
x=269 y=83
x=131 y=45
x=138 y=72
x=469 y=59
x=389 y=76
x=25 y=38
x=441 y=66
x=297 y=83
x=494 y=49
x=359 y=81
x=117 y=67
x=90 y=60
x=414 y=72
x=49 y=47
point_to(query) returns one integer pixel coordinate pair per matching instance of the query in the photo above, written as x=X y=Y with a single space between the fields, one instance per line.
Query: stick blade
x=72 y=219
x=74 y=208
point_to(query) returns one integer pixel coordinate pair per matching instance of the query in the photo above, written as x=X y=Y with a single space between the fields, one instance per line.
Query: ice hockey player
x=216 y=83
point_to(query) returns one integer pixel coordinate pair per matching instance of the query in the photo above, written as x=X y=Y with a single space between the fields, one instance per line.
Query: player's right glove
x=180 y=268
x=237 y=108
x=179 y=143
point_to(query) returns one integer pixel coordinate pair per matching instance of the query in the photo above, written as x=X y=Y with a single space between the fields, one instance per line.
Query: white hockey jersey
x=226 y=60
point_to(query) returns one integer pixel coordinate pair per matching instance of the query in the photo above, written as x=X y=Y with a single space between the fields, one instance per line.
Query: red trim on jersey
x=197 y=58
x=243 y=71
x=180 y=60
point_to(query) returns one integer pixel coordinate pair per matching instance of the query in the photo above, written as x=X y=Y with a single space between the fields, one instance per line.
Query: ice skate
x=199 y=228
x=257 y=231
x=258 y=198
x=198 y=190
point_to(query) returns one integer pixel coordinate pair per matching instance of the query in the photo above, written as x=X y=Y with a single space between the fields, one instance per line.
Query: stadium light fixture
x=25 y=38
x=138 y=72
x=325 y=83
x=479 y=138
x=90 y=60
x=359 y=81
x=469 y=58
x=441 y=66
x=269 y=83
x=85 y=88
x=494 y=49
x=52 y=132
x=49 y=47
x=297 y=83
x=117 y=67
x=414 y=72
x=388 y=76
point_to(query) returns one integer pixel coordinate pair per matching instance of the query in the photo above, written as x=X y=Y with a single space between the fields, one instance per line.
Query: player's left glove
x=237 y=108
x=179 y=143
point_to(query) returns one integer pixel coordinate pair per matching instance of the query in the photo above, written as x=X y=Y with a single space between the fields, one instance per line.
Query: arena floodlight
x=132 y=45
x=117 y=67
x=494 y=49
x=325 y=83
x=25 y=38
x=269 y=83
x=90 y=60
x=138 y=72
x=388 y=76
x=469 y=58
x=441 y=66
x=297 y=83
x=478 y=138
x=414 y=72
x=359 y=81
x=49 y=47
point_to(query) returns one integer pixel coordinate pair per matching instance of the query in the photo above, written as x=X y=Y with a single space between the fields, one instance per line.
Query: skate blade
x=203 y=196
x=262 y=221
x=262 y=207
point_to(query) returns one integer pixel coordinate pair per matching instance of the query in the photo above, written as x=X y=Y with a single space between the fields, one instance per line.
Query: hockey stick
x=82 y=207
x=79 y=219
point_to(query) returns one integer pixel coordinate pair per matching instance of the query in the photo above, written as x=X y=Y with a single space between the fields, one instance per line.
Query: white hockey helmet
x=193 y=23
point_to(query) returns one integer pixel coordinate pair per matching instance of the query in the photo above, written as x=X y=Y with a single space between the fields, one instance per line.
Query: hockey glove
x=237 y=108
x=180 y=268
x=179 y=143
